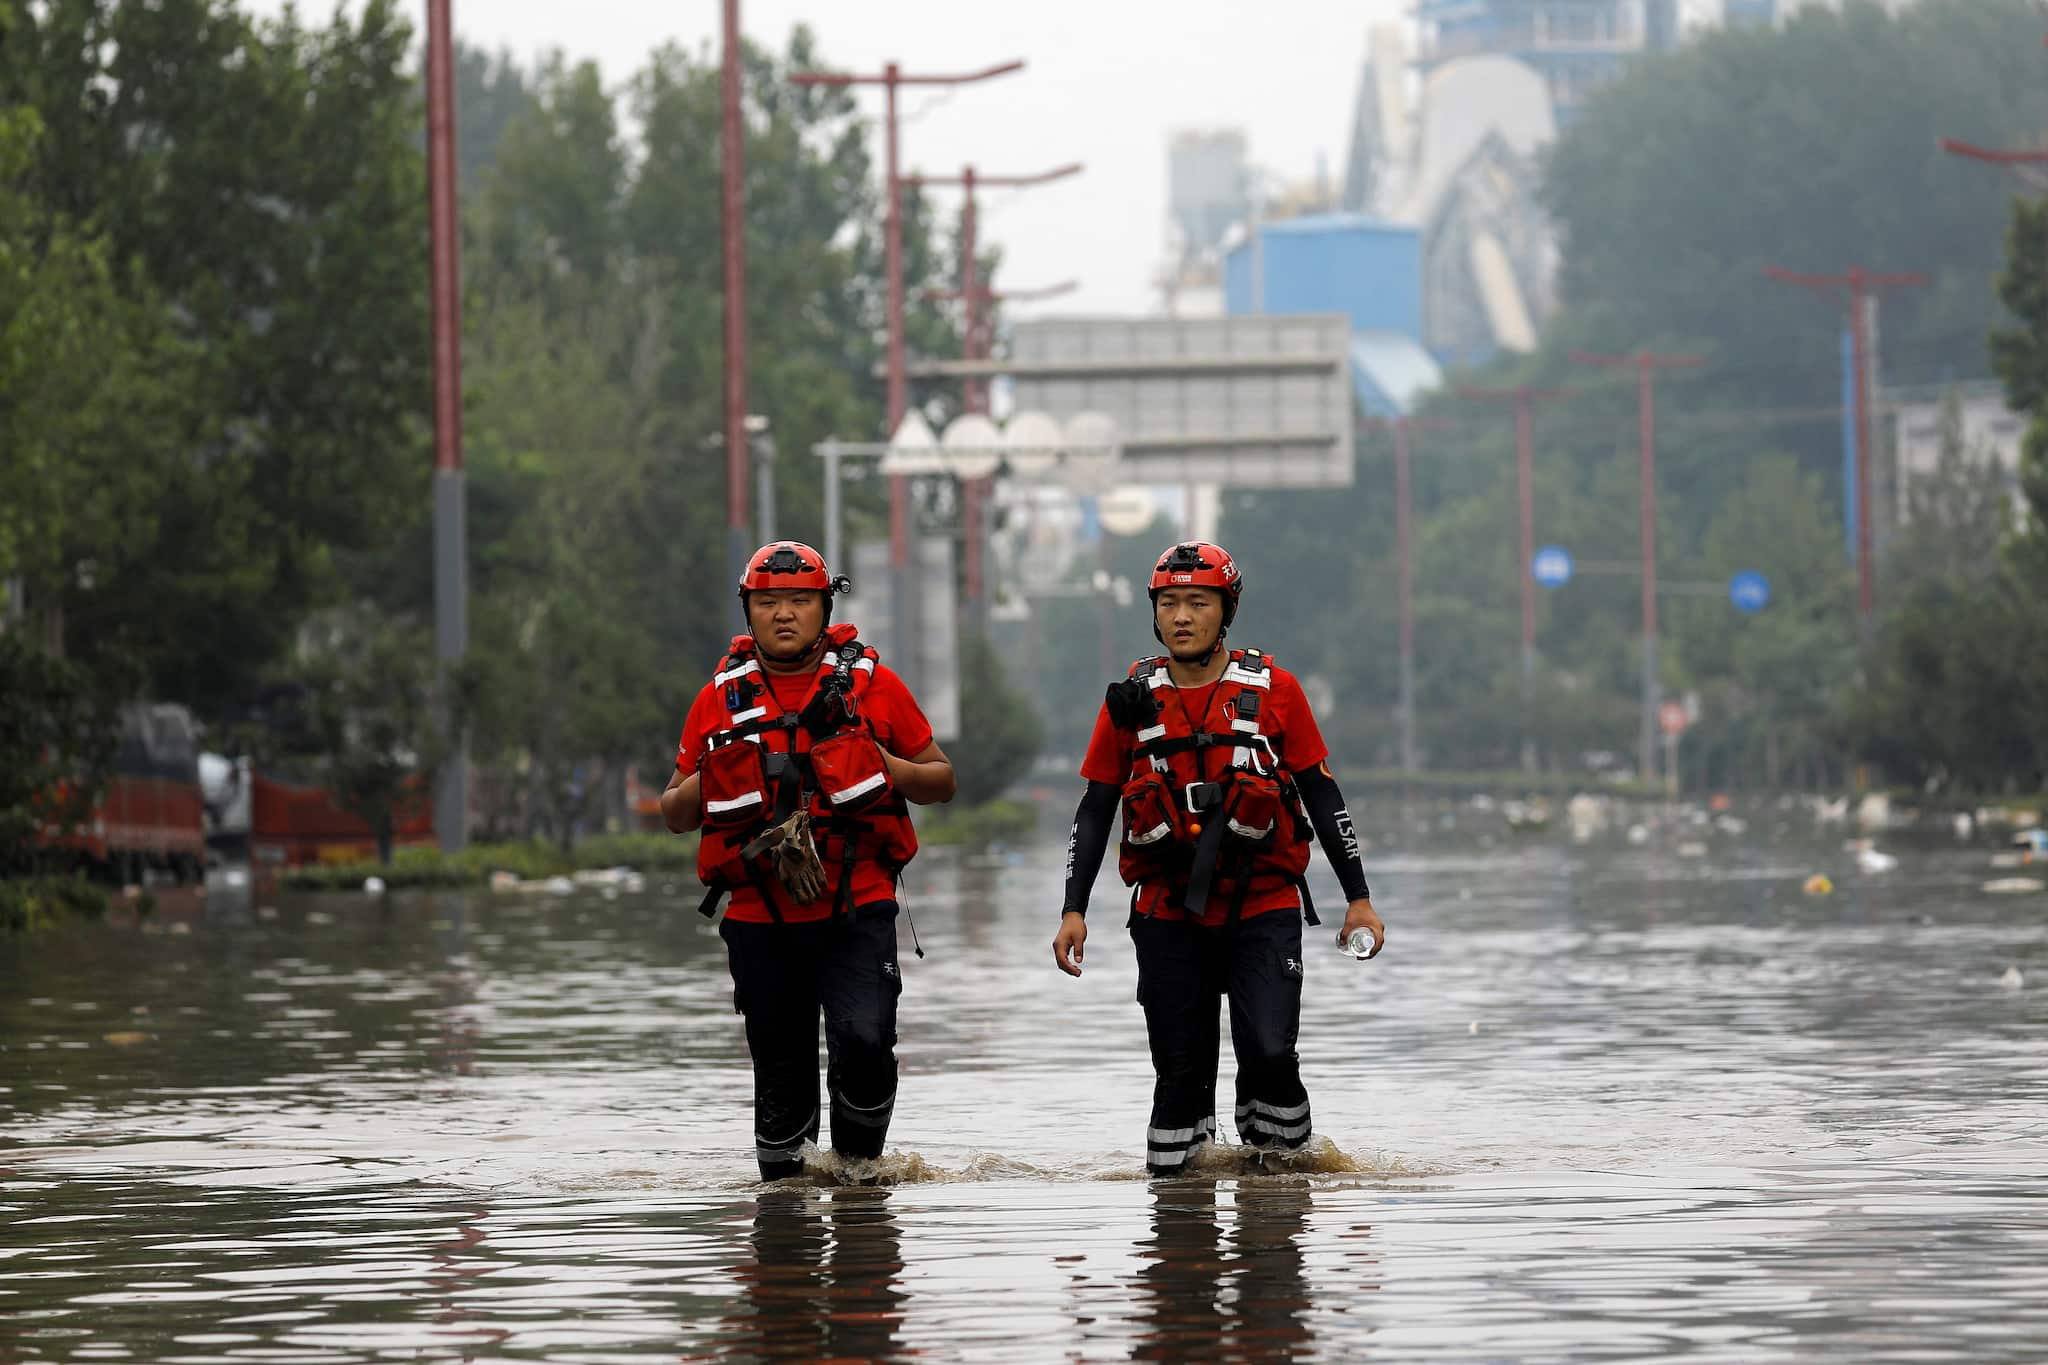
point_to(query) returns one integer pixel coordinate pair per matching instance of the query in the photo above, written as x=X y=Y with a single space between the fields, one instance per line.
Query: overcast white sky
x=1105 y=82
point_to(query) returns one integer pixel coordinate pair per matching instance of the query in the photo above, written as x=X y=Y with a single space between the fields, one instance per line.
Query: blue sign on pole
x=1552 y=566
x=1749 y=591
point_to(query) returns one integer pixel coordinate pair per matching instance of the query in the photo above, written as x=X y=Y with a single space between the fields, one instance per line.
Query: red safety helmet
x=791 y=564
x=1199 y=564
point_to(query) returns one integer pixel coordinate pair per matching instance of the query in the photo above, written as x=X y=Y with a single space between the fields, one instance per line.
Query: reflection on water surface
x=1589 y=1105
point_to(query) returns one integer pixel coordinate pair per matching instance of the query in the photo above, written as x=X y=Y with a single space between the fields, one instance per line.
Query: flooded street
x=1597 y=1103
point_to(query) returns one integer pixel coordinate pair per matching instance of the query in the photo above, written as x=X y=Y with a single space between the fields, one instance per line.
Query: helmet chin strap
x=1207 y=654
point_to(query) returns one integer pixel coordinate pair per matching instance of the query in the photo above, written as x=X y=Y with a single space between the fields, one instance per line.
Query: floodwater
x=1591 y=1104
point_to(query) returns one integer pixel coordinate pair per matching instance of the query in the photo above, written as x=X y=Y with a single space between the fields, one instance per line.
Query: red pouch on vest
x=1255 y=808
x=1152 y=817
x=849 y=772
x=733 y=782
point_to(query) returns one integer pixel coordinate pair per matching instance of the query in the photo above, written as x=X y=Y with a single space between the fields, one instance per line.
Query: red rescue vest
x=765 y=762
x=1209 y=810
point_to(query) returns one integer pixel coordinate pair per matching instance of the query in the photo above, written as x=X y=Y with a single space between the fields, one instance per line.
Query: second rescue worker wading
x=797 y=760
x=1213 y=756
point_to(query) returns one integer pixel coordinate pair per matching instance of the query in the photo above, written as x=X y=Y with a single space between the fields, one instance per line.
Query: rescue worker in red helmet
x=1214 y=759
x=796 y=762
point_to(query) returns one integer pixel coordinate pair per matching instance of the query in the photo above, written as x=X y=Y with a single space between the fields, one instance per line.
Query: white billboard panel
x=1251 y=401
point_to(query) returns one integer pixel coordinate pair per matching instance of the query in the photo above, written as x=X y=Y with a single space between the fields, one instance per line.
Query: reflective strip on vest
x=1150 y=733
x=859 y=789
x=754 y=714
x=753 y=798
x=1247 y=831
x=734 y=674
x=1158 y=831
x=1233 y=673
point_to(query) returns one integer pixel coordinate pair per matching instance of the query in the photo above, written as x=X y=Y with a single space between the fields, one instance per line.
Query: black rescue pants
x=1182 y=971
x=783 y=976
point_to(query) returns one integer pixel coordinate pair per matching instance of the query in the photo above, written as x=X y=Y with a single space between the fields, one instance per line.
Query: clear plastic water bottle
x=1359 y=945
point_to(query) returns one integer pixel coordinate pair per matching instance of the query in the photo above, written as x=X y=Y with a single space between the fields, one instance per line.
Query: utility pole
x=451 y=547
x=732 y=177
x=1404 y=576
x=1646 y=364
x=1525 y=400
x=891 y=78
x=1861 y=284
x=975 y=342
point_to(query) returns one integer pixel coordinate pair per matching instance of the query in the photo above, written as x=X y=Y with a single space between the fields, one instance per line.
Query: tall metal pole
x=975 y=299
x=732 y=177
x=1525 y=492
x=832 y=457
x=1860 y=284
x=973 y=394
x=451 y=550
x=901 y=593
x=1525 y=400
x=974 y=391
x=1646 y=425
x=1404 y=555
x=1859 y=361
x=1646 y=364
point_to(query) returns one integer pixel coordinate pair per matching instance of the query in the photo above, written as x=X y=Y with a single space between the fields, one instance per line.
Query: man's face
x=1190 y=620
x=786 y=621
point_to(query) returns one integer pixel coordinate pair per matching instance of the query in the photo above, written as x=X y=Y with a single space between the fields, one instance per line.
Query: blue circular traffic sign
x=1749 y=591
x=1552 y=566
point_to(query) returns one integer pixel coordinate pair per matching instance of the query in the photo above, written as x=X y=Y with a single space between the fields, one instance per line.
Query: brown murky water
x=1590 y=1105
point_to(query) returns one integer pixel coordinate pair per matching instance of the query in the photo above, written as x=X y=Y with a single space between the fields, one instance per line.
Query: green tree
x=1955 y=686
x=90 y=380
x=1000 y=733
x=261 y=186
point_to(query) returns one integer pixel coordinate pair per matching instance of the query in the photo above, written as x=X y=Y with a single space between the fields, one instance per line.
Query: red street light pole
x=733 y=232
x=1404 y=573
x=451 y=550
x=974 y=339
x=1525 y=400
x=890 y=79
x=1646 y=364
x=1861 y=284
x=974 y=346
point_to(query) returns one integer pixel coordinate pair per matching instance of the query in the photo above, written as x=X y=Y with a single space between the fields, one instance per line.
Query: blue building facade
x=1352 y=264
x=1369 y=271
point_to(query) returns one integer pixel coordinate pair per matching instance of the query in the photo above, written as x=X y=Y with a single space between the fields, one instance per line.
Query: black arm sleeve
x=1092 y=821
x=1325 y=806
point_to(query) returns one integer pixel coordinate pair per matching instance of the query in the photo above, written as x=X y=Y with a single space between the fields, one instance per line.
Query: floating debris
x=2014 y=886
x=373 y=886
x=2012 y=980
x=1819 y=884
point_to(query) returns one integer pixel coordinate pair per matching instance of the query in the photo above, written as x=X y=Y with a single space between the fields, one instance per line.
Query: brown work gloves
x=796 y=859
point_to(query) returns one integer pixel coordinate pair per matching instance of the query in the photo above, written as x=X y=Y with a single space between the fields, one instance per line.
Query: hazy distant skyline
x=1104 y=83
